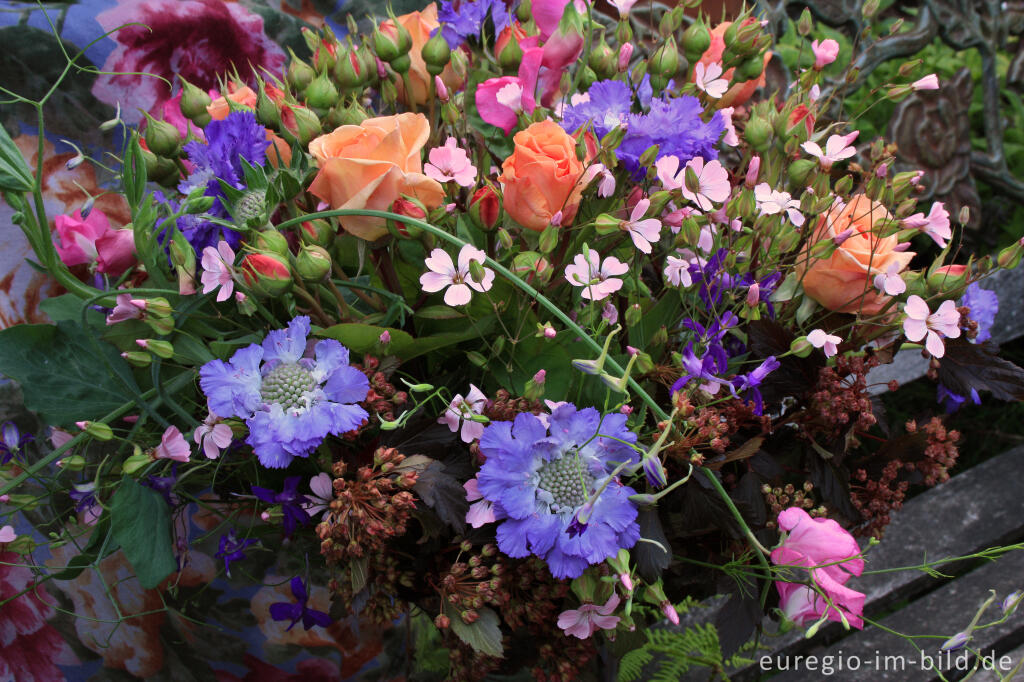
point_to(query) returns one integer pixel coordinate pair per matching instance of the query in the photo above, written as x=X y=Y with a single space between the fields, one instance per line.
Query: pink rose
x=813 y=543
x=76 y=236
x=196 y=39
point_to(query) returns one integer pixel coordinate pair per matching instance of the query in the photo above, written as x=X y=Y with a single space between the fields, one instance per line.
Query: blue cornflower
x=464 y=19
x=238 y=136
x=293 y=504
x=290 y=402
x=232 y=549
x=283 y=610
x=555 y=491
x=984 y=305
x=12 y=440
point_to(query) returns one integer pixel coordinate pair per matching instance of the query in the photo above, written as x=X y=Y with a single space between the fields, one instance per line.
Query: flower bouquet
x=514 y=327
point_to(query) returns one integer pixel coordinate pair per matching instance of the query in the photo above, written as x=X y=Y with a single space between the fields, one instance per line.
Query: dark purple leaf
x=969 y=365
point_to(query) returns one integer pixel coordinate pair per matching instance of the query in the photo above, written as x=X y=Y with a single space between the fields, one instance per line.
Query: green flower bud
x=348 y=71
x=696 y=41
x=805 y=24
x=844 y=185
x=402 y=64
x=505 y=239
x=750 y=69
x=182 y=253
x=799 y=171
x=72 y=463
x=801 y=347
x=162 y=138
x=633 y=315
x=160 y=325
x=319 y=232
x=524 y=12
x=272 y=241
x=267 y=274
x=97 y=430
x=665 y=61
x=386 y=44
x=649 y=156
x=587 y=77
x=312 y=263
x=1009 y=258
x=548 y=239
x=194 y=102
x=300 y=74
x=476 y=358
x=251 y=208
x=602 y=59
x=321 y=93
x=307 y=124
x=198 y=204
x=158 y=347
x=436 y=54
x=758 y=133
x=607 y=223
x=135 y=462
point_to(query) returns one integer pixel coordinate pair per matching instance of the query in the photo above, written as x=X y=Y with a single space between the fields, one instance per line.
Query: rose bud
x=312 y=263
x=485 y=208
x=266 y=274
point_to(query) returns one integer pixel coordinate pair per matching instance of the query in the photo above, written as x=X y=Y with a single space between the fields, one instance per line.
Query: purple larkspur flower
x=954 y=401
x=164 y=485
x=289 y=401
x=299 y=611
x=464 y=19
x=749 y=383
x=984 y=305
x=232 y=548
x=553 y=490
x=12 y=440
x=293 y=504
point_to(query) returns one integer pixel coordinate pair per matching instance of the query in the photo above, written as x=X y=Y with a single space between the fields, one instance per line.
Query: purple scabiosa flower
x=232 y=548
x=463 y=19
x=289 y=401
x=12 y=440
x=984 y=305
x=553 y=489
x=297 y=611
x=228 y=141
x=293 y=504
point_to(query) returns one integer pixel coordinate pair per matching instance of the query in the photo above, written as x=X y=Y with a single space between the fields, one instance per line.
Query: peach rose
x=738 y=93
x=843 y=282
x=372 y=164
x=420 y=25
x=542 y=177
x=247 y=97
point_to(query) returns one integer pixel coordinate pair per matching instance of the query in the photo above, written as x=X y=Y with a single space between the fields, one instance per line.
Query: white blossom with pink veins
x=708 y=78
x=217 y=270
x=712 y=180
x=771 y=202
x=921 y=324
x=462 y=410
x=837 y=148
x=443 y=273
x=213 y=435
x=598 y=279
x=449 y=163
x=644 y=232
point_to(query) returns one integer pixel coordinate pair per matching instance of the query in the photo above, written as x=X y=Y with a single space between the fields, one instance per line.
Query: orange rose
x=246 y=96
x=419 y=25
x=739 y=92
x=372 y=164
x=844 y=282
x=542 y=177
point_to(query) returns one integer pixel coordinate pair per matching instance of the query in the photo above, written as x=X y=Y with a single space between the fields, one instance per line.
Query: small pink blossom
x=753 y=170
x=212 y=435
x=322 y=486
x=708 y=78
x=607 y=185
x=837 y=148
x=730 y=137
x=451 y=162
x=481 y=511
x=625 y=54
x=462 y=410
x=623 y=6
x=825 y=53
x=460 y=285
x=929 y=82
x=589 y=618
x=644 y=232
x=890 y=281
x=441 y=89
x=7 y=534
x=172 y=446
x=217 y=270
x=677 y=271
x=712 y=180
x=771 y=202
x=819 y=338
x=76 y=236
x=598 y=279
x=920 y=323
x=125 y=309
x=935 y=224
x=609 y=314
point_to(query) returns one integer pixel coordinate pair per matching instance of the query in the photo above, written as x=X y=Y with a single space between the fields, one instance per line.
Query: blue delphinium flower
x=232 y=548
x=293 y=503
x=239 y=136
x=463 y=19
x=12 y=440
x=290 y=402
x=984 y=305
x=554 y=489
x=283 y=610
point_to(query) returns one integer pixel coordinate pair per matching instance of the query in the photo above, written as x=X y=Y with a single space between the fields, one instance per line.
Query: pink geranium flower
x=921 y=324
x=451 y=163
x=444 y=273
x=126 y=308
x=589 y=618
x=831 y=556
x=481 y=511
x=730 y=137
x=322 y=486
x=677 y=271
x=837 y=148
x=643 y=231
x=218 y=267
x=598 y=279
x=825 y=53
x=935 y=224
x=606 y=187
x=819 y=338
x=890 y=281
x=212 y=435
x=462 y=410
x=712 y=180
x=772 y=202
x=708 y=78
x=172 y=446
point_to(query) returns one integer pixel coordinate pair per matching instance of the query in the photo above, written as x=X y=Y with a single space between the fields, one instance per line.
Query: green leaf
x=362 y=338
x=484 y=634
x=15 y=175
x=141 y=524
x=61 y=377
x=439 y=312
x=69 y=307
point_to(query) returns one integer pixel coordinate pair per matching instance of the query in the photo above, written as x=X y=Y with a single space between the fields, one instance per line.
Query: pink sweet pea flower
x=929 y=82
x=944 y=322
x=443 y=273
x=819 y=338
x=172 y=446
x=76 y=236
x=712 y=180
x=499 y=100
x=597 y=279
x=771 y=202
x=212 y=435
x=217 y=270
x=935 y=224
x=708 y=78
x=825 y=53
x=890 y=281
x=643 y=232
x=461 y=410
x=589 y=618
x=451 y=162
x=7 y=534
x=814 y=543
x=322 y=486
x=126 y=309
x=115 y=252
x=547 y=14
x=481 y=511
x=837 y=148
